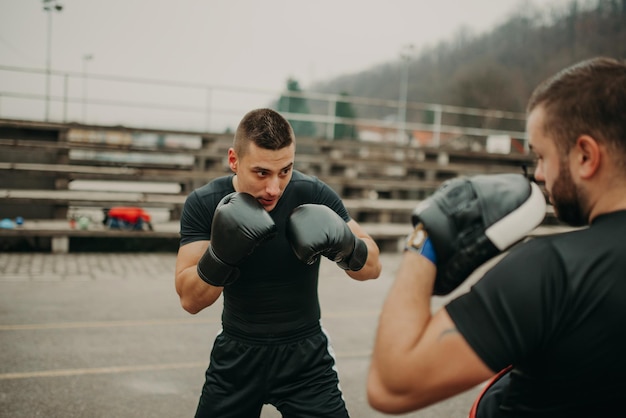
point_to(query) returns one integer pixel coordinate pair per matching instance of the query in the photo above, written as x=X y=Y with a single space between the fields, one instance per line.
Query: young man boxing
x=256 y=237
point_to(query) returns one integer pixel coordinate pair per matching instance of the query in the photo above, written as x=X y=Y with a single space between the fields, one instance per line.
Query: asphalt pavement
x=99 y=335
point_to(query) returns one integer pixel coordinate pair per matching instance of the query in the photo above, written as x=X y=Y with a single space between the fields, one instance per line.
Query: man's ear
x=232 y=160
x=588 y=156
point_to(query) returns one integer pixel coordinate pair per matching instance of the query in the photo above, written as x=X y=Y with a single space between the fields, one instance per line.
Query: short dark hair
x=266 y=128
x=586 y=98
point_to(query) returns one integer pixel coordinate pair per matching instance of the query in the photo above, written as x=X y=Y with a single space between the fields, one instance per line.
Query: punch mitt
x=470 y=220
x=239 y=225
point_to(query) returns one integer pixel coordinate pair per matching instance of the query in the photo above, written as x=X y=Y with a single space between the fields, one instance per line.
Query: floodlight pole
x=86 y=59
x=405 y=56
x=49 y=6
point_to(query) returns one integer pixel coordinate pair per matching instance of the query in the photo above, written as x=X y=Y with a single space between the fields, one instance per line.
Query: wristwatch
x=415 y=240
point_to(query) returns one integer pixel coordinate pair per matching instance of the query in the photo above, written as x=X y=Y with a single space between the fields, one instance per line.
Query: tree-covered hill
x=499 y=69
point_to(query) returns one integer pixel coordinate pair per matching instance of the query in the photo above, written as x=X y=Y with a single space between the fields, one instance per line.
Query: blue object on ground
x=6 y=223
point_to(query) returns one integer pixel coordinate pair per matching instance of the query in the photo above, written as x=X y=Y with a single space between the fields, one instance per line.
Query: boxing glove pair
x=469 y=220
x=241 y=223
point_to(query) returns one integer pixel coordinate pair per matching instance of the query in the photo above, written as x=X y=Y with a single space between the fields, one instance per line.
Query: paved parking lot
x=103 y=335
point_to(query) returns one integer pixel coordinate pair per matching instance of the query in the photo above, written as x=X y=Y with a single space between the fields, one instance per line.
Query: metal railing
x=146 y=103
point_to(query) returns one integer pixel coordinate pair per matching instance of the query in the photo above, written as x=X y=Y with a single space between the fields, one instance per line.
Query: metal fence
x=143 y=103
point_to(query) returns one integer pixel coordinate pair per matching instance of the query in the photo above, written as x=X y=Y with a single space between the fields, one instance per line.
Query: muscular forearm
x=405 y=315
x=194 y=293
x=372 y=267
x=418 y=358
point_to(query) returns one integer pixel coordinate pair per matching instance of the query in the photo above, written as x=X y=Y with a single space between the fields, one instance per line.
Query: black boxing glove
x=315 y=230
x=469 y=220
x=239 y=225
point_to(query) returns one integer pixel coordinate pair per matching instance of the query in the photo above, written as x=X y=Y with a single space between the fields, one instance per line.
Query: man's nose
x=273 y=186
x=538 y=174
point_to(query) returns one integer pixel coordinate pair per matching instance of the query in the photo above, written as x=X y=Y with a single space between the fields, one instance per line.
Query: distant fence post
x=437 y=123
x=65 y=92
x=330 y=124
x=207 y=109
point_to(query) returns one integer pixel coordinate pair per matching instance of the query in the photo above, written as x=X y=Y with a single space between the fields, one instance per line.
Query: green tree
x=344 y=109
x=295 y=104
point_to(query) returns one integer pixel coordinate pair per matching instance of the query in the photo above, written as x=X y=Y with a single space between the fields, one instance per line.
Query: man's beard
x=567 y=199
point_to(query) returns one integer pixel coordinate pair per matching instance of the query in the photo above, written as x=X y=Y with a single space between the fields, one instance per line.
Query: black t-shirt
x=555 y=309
x=275 y=294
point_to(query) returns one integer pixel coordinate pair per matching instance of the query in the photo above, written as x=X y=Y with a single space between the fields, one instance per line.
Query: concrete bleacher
x=41 y=165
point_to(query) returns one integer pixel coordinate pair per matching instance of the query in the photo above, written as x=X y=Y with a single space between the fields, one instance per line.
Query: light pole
x=86 y=59
x=405 y=56
x=49 y=6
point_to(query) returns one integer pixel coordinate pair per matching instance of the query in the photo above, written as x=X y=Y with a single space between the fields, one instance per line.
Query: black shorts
x=297 y=375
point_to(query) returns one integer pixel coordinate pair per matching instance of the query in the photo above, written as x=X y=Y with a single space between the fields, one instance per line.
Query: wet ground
x=103 y=335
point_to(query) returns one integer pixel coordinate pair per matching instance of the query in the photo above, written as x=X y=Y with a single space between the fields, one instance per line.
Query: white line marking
x=141 y=323
x=137 y=368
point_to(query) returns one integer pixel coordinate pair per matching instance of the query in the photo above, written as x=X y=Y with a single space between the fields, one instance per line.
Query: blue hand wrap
x=419 y=242
x=428 y=251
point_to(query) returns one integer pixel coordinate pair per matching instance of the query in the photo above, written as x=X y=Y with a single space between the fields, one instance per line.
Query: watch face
x=417 y=237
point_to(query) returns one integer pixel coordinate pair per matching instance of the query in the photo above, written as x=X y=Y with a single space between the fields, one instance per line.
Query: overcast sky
x=245 y=43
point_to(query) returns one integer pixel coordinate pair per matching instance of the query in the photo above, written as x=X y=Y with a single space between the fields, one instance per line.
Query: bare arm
x=418 y=358
x=195 y=294
x=372 y=267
